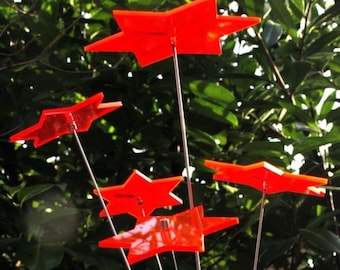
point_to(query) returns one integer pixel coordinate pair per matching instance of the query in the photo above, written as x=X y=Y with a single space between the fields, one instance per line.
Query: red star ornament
x=195 y=28
x=266 y=177
x=139 y=196
x=60 y=121
x=184 y=232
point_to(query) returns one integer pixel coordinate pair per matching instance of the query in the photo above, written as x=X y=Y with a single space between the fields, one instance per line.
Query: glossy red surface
x=266 y=177
x=139 y=196
x=60 y=121
x=184 y=231
x=195 y=28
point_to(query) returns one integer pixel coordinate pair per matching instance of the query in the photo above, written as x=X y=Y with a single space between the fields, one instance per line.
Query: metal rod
x=259 y=229
x=184 y=135
x=174 y=260
x=140 y=202
x=183 y=125
x=98 y=191
x=159 y=262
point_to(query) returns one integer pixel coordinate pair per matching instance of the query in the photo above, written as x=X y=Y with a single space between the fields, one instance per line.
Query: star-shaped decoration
x=184 y=231
x=139 y=196
x=195 y=28
x=267 y=178
x=60 y=121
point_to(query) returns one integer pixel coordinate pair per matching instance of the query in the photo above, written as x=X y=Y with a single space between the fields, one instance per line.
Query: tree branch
x=49 y=46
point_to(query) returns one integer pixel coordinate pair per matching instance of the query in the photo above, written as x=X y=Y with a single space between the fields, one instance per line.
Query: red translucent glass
x=184 y=231
x=139 y=196
x=266 y=177
x=56 y=122
x=195 y=28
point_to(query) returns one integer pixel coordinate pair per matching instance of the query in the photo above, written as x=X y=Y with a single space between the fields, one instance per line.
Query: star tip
x=107 y=105
x=271 y=167
x=87 y=48
x=256 y=19
x=137 y=172
x=316 y=191
x=207 y=162
x=37 y=145
x=12 y=139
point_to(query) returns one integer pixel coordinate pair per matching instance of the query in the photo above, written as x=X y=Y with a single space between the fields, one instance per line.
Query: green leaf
x=253 y=7
x=276 y=248
x=298 y=7
x=329 y=14
x=41 y=256
x=271 y=33
x=145 y=4
x=300 y=115
x=212 y=92
x=295 y=72
x=321 y=239
x=304 y=145
x=214 y=111
x=280 y=12
x=321 y=42
x=30 y=192
x=318 y=221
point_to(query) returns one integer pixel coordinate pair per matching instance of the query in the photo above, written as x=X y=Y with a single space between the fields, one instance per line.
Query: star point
x=60 y=121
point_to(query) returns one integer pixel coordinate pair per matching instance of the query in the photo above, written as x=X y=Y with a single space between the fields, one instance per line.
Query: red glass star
x=184 y=231
x=195 y=28
x=139 y=196
x=266 y=177
x=56 y=122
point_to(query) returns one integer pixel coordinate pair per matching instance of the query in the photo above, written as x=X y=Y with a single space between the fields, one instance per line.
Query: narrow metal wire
x=159 y=262
x=174 y=260
x=98 y=190
x=140 y=202
x=324 y=153
x=259 y=229
x=184 y=135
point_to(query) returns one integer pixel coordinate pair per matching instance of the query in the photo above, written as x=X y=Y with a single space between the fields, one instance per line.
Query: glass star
x=195 y=28
x=60 y=121
x=139 y=196
x=184 y=231
x=266 y=177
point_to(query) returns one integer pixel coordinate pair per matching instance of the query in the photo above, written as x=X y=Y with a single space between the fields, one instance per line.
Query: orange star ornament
x=60 y=121
x=184 y=231
x=139 y=196
x=195 y=28
x=266 y=177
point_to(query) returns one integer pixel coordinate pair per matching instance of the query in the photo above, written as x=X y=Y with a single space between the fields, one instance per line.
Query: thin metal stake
x=159 y=262
x=259 y=229
x=174 y=259
x=140 y=202
x=98 y=190
x=184 y=135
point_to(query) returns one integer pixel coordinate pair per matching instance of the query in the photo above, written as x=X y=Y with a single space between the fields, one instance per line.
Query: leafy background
x=272 y=95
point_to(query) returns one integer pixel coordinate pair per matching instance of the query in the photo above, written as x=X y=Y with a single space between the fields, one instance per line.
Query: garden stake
x=184 y=135
x=259 y=229
x=73 y=127
x=157 y=256
x=174 y=260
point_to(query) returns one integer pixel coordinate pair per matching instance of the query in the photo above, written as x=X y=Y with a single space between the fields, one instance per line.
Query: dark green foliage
x=277 y=101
